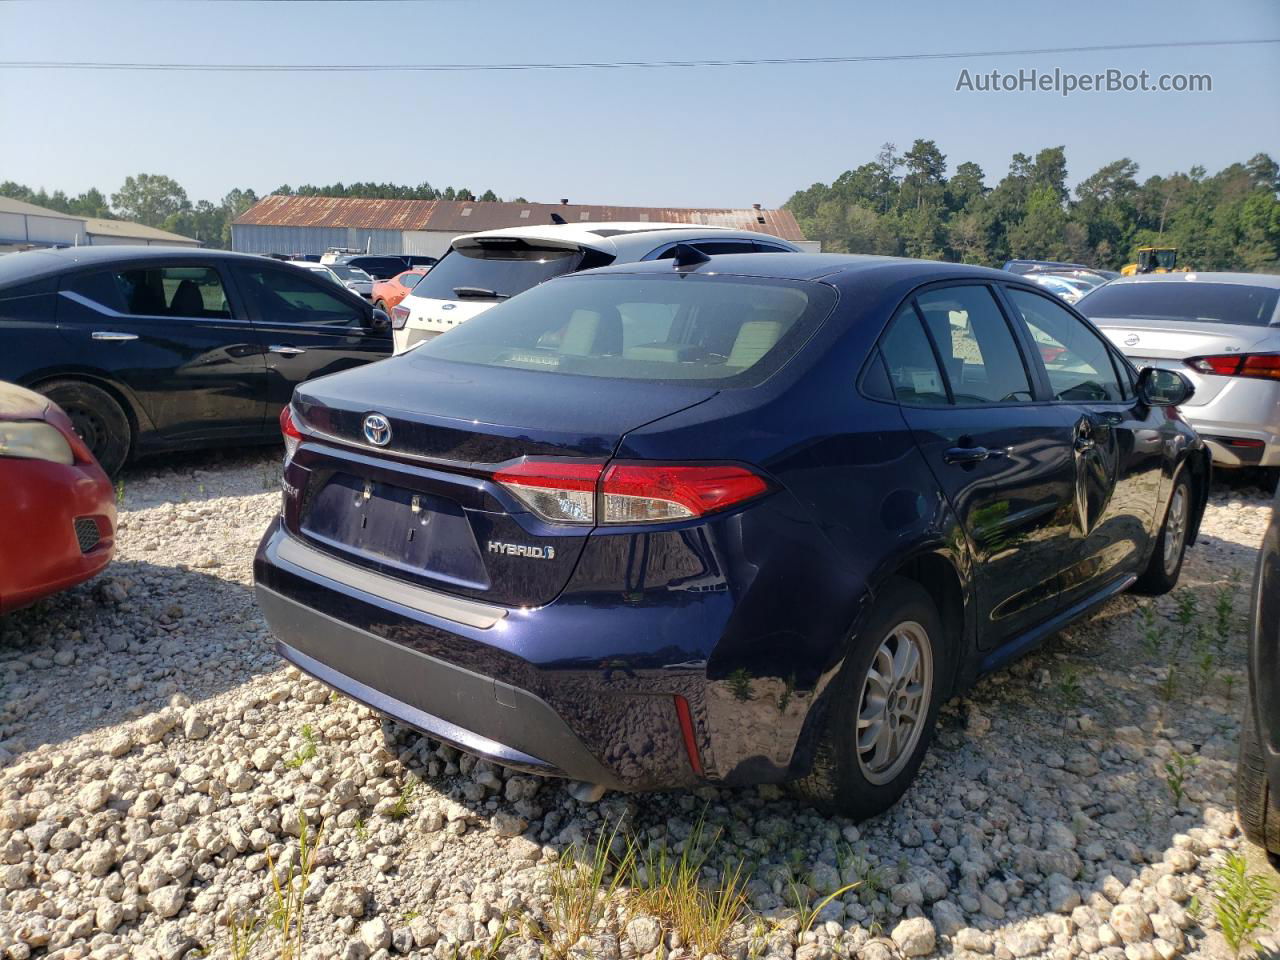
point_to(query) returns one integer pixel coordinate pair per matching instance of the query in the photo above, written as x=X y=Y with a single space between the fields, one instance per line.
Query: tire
x=1165 y=563
x=1259 y=807
x=99 y=420
x=382 y=305
x=854 y=783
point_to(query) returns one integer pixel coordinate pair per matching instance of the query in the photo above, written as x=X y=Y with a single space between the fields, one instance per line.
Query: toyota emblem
x=1131 y=340
x=377 y=429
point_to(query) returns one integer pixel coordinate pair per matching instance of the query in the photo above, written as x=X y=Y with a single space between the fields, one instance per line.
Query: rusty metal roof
x=469 y=216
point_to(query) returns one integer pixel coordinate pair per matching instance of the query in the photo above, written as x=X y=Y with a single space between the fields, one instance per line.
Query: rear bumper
x=1243 y=410
x=408 y=686
x=40 y=551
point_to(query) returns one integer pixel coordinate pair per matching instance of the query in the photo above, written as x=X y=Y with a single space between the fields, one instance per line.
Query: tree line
x=904 y=204
x=160 y=201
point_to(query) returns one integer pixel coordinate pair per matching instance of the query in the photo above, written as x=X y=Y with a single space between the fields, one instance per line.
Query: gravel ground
x=155 y=757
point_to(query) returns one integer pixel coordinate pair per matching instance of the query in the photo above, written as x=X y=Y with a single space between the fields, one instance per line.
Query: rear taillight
x=574 y=492
x=1263 y=366
x=399 y=317
x=289 y=430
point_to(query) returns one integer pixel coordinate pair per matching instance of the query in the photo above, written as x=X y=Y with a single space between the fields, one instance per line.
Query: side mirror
x=379 y=322
x=1164 y=388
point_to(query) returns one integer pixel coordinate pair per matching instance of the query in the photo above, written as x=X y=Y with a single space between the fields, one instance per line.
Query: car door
x=1000 y=454
x=174 y=335
x=1116 y=446
x=307 y=326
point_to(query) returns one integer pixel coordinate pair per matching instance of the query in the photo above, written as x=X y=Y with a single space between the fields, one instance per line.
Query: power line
x=601 y=65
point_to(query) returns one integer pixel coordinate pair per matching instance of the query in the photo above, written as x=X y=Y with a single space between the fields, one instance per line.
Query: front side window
x=292 y=296
x=726 y=331
x=1076 y=360
x=981 y=359
x=913 y=368
x=195 y=292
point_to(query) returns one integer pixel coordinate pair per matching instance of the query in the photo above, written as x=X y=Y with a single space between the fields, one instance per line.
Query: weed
x=244 y=932
x=1176 y=769
x=1224 y=609
x=307 y=751
x=740 y=685
x=807 y=914
x=288 y=911
x=668 y=886
x=1169 y=686
x=489 y=950
x=1241 y=902
x=411 y=915
x=1070 y=687
x=870 y=879
x=1229 y=681
x=120 y=493
x=402 y=806
x=582 y=887
x=1187 y=604
x=784 y=698
x=362 y=830
x=1153 y=630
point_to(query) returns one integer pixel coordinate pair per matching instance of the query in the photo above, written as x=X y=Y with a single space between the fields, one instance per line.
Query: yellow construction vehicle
x=1154 y=260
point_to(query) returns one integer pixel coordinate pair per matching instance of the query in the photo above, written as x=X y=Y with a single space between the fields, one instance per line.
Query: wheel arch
x=138 y=419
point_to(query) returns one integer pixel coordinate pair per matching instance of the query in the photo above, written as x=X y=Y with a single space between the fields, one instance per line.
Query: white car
x=483 y=269
x=1066 y=288
x=353 y=278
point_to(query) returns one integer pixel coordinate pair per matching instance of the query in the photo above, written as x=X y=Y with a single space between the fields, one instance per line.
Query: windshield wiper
x=478 y=292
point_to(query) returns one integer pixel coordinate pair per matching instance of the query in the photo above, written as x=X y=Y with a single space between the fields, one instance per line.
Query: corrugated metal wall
x=27 y=228
x=429 y=243
x=253 y=238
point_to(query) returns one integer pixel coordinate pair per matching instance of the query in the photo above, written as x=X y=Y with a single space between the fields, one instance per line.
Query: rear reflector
x=568 y=491
x=289 y=430
x=686 y=731
x=399 y=317
x=1263 y=366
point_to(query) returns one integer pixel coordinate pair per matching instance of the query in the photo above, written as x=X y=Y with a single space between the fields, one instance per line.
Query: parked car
x=1258 y=773
x=1056 y=266
x=1059 y=286
x=722 y=520
x=380 y=266
x=58 y=511
x=160 y=348
x=353 y=278
x=483 y=269
x=388 y=293
x=1220 y=329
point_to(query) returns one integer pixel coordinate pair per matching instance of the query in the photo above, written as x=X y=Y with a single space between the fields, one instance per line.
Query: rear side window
x=726 y=331
x=195 y=292
x=1077 y=362
x=981 y=359
x=497 y=268
x=913 y=368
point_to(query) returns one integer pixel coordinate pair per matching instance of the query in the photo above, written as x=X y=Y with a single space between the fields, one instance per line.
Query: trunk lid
x=1167 y=344
x=424 y=507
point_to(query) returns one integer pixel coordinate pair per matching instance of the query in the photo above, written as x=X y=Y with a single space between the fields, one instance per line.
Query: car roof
x=1196 y=276
x=832 y=267
x=622 y=238
x=33 y=264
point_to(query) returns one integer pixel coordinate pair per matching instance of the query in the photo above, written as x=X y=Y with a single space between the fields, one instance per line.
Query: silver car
x=1220 y=329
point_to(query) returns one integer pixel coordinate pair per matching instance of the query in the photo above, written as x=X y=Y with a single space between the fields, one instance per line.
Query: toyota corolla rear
x=1220 y=330
x=462 y=547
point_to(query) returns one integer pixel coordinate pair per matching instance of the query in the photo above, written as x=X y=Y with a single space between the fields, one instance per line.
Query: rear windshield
x=715 y=330
x=349 y=273
x=495 y=270
x=1189 y=302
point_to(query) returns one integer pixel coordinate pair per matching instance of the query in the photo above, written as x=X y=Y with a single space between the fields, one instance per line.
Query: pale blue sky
x=725 y=136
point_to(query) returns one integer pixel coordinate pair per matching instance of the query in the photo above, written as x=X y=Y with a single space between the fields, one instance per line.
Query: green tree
x=150 y=199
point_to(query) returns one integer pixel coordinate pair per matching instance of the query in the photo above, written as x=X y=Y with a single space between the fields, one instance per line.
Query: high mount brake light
x=575 y=492
x=289 y=430
x=1258 y=366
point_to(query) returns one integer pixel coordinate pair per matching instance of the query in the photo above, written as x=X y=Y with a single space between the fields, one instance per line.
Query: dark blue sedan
x=727 y=520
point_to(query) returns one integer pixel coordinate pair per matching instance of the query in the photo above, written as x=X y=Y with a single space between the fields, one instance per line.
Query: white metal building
x=24 y=225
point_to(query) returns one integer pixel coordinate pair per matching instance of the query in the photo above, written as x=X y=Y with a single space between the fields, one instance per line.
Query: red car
x=58 y=511
x=387 y=293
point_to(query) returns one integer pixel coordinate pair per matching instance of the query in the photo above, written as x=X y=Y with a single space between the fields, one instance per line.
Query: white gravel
x=155 y=757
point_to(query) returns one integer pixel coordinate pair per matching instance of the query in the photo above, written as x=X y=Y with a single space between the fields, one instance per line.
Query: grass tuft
x=1242 y=903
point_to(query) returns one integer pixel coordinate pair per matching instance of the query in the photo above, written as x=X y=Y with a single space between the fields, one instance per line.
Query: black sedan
x=161 y=348
x=1258 y=775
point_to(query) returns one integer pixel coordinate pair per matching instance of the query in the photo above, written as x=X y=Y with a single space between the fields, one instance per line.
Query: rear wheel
x=882 y=707
x=381 y=305
x=99 y=420
x=1258 y=804
x=1165 y=564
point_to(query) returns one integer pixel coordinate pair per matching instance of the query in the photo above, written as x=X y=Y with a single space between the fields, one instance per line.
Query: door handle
x=111 y=336
x=1085 y=443
x=963 y=455
x=285 y=350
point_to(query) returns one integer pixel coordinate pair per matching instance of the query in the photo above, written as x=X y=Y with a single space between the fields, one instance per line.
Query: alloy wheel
x=1175 y=529
x=894 y=704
